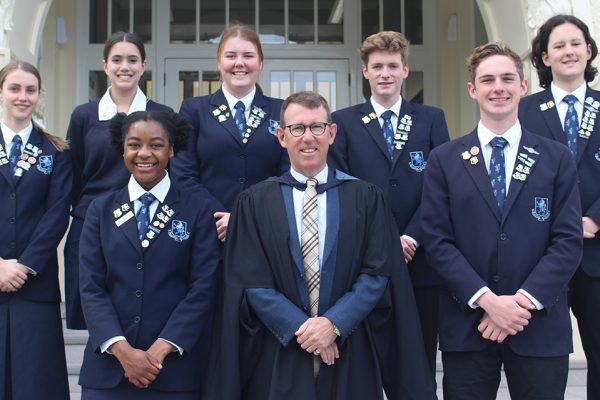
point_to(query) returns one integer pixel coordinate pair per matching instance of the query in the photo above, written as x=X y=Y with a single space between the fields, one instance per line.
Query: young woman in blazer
x=35 y=178
x=233 y=144
x=97 y=168
x=148 y=265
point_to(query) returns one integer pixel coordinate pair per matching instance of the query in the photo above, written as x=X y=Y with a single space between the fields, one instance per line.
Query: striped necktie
x=310 y=245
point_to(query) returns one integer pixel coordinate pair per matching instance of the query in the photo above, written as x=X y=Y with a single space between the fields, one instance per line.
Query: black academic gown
x=386 y=350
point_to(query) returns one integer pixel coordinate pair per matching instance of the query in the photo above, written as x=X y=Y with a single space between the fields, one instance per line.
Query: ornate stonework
x=6 y=21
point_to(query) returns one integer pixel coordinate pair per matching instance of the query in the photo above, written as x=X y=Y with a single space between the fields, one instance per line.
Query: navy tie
x=15 y=153
x=240 y=118
x=388 y=131
x=571 y=124
x=143 y=215
x=497 y=173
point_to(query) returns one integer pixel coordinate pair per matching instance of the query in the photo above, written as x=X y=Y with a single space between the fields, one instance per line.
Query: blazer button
x=241 y=179
x=503 y=236
x=12 y=196
x=139 y=265
x=11 y=220
x=138 y=293
x=496 y=278
x=12 y=245
x=137 y=319
x=242 y=156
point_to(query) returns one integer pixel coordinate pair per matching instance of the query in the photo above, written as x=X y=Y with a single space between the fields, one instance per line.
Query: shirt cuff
x=537 y=304
x=411 y=239
x=177 y=348
x=476 y=297
x=31 y=271
x=106 y=345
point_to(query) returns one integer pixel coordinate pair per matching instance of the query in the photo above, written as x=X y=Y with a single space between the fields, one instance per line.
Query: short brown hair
x=310 y=100
x=492 y=49
x=384 y=41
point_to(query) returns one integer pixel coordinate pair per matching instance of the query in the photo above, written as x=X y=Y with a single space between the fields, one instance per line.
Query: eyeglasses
x=317 y=129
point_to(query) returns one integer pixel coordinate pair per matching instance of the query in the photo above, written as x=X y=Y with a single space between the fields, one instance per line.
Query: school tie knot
x=570 y=99
x=499 y=142
x=311 y=183
x=387 y=115
x=147 y=199
x=240 y=117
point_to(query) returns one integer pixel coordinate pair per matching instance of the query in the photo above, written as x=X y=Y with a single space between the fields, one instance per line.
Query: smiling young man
x=392 y=153
x=501 y=222
x=317 y=301
x=566 y=111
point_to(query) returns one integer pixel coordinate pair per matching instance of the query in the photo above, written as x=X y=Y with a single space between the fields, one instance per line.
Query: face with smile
x=239 y=65
x=146 y=151
x=497 y=88
x=124 y=66
x=308 y=153
x=567 y=54
x=385 y=72
x=20 y=93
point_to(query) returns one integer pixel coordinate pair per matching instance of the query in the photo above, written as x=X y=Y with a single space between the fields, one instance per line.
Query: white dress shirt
x=108 y=109
x=561 y=106
x=232 y=100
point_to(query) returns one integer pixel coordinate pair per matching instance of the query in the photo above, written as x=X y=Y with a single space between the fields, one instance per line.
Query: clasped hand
x=316 y=336
x=504 y=315
x=12 y=275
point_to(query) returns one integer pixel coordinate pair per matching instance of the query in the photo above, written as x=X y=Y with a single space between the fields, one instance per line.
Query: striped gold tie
x=310 y=245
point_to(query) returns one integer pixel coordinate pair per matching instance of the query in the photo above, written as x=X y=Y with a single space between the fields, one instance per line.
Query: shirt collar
x=231 y=99
x=559 y=94
x=159 y=190
x=512 y=134
x=379 y=109
x=108 y=109
x=321 y=177
x=8 y=134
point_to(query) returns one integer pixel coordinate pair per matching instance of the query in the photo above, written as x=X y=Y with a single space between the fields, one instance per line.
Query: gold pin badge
x=474 y=160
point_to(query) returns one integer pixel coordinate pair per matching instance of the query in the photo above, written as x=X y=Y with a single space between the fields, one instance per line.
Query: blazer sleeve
x=190 y=318
x=55 y=219
x=338 y=152
x=100 y=314
x=438 y=135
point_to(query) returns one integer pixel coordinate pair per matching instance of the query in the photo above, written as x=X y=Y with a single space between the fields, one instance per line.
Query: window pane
x=120 y=16
x=331 y=21
x=210 y=82
x=98 y=21
x=271 y=27
x=242 y=11
x=142 y=19
x=392 y=18
x=370 y=18
x=326 y=87
x=413 y=87
x=188 y=84
x=212 y=20
x=414 y=21
x=301 y=20
x=303 y=80
x=280 y=84
x=183 y=21
x=146 y=84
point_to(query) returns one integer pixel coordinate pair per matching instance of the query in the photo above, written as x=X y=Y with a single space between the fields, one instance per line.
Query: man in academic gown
x=353 y=330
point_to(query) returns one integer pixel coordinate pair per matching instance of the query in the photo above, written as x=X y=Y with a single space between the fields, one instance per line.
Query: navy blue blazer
x=97 y=167
x=34 y=210
x=166 y=290
x=547 y=123
x=217 y=157
x=534 y=245
x=360 y=150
